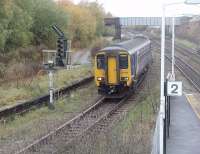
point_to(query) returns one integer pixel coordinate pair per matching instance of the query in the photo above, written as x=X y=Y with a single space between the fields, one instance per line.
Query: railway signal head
x=61 y=46
x=61 y=51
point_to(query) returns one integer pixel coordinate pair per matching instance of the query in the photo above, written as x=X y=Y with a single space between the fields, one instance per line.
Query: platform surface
x=184 y=129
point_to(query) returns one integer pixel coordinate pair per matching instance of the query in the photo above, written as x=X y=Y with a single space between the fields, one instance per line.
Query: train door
x=112 y=70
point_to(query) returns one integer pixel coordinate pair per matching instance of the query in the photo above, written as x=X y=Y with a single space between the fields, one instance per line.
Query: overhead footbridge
x=122 y=22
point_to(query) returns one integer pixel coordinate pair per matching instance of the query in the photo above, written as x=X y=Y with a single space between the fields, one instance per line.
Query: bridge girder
x=120 y=22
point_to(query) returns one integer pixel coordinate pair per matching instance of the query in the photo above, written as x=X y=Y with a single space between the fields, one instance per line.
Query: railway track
x=187 y=70
x=188 y=54
x=96 y=118
x=24 y=107
x=192 y=75
x=184 y=51
x=68 y=132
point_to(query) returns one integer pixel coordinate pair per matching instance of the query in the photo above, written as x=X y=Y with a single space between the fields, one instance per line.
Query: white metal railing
x=156 y=137
x=162 y=127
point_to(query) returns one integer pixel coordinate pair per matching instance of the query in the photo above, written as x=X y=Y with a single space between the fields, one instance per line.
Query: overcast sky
x=138 y=8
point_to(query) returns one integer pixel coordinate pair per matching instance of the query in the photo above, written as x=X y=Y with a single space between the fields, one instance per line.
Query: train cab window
x=100 y=61
x=123 y=61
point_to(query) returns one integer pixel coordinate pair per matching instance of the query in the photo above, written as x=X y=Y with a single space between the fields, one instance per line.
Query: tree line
x=25 y=24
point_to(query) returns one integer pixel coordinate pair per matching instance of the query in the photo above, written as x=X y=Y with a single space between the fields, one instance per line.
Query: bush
x=2 y=70
x=19 y=71
x=98 y=45
x=25 y=27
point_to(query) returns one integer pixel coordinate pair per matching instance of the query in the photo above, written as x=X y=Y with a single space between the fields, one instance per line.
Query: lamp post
x=162 y=75
x=173 y=43
x=187 y=2
x=162 y=98
x=173 y=47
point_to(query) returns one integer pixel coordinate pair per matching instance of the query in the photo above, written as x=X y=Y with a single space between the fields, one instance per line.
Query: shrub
x=97 y=45
x=2 y=70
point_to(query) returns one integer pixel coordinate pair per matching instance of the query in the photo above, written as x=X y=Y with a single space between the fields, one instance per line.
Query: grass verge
x=24 y=129
x=187 y=43
x=132 y=134
x=27 y=89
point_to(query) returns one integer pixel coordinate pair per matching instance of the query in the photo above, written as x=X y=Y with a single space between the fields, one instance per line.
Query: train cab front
x=112 y=73
x=100 y=65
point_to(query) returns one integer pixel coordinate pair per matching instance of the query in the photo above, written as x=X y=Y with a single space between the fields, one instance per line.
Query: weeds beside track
x=95 y=117
x=26 y=106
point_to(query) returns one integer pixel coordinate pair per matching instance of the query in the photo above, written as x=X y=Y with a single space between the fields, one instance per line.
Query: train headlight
x=100 y=78
x=124 y=78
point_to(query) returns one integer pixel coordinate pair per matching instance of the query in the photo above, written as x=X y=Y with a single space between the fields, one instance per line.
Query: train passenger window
x=100 y=61
x=123 y=61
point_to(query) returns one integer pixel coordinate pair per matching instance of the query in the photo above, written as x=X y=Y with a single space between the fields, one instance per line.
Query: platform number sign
x=174 y=88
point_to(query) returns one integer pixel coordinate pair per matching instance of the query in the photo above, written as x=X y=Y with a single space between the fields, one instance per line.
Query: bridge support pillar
x=117 y=28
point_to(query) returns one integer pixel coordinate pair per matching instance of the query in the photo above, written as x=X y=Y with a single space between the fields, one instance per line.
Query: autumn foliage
x=25 y=27
x=85 y=21
x=25 y=23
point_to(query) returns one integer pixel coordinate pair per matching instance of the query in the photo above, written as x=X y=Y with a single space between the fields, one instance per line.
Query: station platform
x=184 y=130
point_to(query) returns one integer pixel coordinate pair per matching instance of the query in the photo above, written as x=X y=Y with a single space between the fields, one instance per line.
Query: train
x=118 y=67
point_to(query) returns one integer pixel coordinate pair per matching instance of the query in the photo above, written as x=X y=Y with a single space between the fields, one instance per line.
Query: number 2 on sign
x=174 y=88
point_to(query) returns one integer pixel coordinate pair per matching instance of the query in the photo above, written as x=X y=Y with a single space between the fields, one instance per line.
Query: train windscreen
x=123 y=61
x=100 y=61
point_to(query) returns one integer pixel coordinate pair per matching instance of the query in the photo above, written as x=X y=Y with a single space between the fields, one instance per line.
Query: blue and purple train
x=120 y=66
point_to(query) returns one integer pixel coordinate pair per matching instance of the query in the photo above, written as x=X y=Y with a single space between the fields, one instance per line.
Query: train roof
x=129 y=45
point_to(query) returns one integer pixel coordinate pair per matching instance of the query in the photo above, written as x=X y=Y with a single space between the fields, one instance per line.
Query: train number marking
x=174 y=88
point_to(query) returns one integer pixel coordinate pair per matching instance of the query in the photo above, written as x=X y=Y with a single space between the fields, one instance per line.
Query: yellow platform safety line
x=194 y=102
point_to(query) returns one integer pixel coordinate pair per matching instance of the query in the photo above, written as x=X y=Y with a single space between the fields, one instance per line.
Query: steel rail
x=101 y=120
x=188 y=71
x=191 y=75
x=23 y=107
x=46 y=140
x=182 y=47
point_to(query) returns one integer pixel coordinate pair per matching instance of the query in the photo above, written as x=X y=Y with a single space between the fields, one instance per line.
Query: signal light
x=61 y=46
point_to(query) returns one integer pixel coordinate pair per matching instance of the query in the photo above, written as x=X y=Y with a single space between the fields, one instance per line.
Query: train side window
x=123 y=61
x=100 y=61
